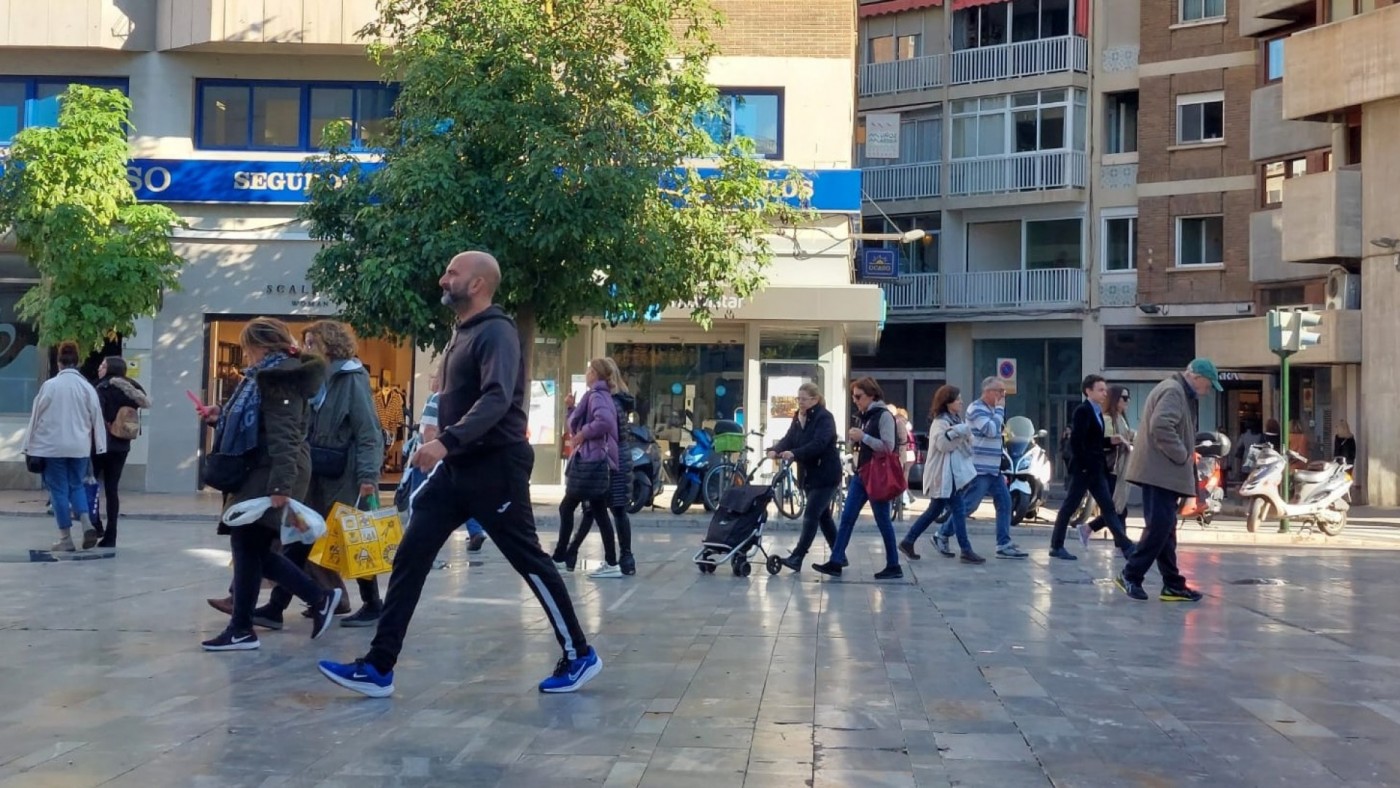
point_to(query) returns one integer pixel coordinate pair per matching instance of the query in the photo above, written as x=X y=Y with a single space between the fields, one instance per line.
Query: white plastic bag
x=250 y=510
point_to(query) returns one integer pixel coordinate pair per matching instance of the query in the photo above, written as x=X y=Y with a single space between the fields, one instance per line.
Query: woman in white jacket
x=948 y=468
x=65 y=429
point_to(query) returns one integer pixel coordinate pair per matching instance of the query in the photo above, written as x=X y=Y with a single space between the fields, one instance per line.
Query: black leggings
x=107 y=468
x=253 y=560
x=620 y=518
x=598 y=509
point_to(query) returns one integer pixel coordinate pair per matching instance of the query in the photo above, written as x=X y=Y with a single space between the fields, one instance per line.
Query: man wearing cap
x=1163 y=465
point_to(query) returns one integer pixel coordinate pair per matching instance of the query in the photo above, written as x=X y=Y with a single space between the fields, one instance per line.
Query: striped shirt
x=430 y=417
x=987 y=423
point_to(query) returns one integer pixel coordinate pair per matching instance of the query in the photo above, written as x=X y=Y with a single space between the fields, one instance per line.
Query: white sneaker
x=606 y=570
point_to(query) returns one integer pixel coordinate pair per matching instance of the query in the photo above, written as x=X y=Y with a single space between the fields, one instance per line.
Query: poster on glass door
x=781 y=407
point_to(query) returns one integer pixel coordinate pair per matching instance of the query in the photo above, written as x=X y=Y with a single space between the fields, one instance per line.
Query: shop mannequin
x=390 y=403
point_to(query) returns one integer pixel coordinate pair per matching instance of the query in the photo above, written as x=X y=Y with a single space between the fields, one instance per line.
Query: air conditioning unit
x=1343 y=289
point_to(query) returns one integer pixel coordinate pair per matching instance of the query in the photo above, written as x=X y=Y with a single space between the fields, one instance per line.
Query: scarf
x=237 y=430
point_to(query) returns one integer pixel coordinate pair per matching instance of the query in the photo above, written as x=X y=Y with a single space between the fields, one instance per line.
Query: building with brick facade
x=1325 y=119
x=975 y=124
x=228 y=100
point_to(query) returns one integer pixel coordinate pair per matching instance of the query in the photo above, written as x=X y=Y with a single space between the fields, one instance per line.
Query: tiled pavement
x=1011 y=674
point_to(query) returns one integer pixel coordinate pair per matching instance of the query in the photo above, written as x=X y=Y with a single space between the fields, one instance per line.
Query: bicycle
x=737 y=473
x=787 y=494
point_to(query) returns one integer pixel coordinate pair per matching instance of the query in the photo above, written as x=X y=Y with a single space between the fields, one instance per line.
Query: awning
x=958 y=5
x=895 y=6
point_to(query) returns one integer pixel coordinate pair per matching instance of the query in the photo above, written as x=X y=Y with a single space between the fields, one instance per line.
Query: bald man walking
x=478 y=468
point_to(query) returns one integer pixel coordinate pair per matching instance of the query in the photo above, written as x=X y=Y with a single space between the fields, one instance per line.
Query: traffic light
x=1302 y=337
x=1289 y=330
x=1281 y=330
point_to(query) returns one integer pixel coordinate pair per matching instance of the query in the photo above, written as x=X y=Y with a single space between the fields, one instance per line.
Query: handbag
x=883 y=477
x=587 y=479
x=34 y=464
x=227 y=472
x=328 y=461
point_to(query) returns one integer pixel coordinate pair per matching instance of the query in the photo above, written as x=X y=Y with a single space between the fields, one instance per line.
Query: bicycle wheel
x=792 y=500
x=720 y=480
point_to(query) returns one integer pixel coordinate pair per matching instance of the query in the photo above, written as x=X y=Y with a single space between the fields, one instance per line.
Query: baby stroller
x=736 y=531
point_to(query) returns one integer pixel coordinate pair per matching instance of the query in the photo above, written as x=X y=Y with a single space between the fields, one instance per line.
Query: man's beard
x=451 y=299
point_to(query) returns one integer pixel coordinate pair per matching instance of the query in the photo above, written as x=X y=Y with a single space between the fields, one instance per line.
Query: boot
x=366 y=616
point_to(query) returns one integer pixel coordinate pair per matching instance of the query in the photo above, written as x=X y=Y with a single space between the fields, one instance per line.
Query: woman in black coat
x=811 y=443
x=114 y=392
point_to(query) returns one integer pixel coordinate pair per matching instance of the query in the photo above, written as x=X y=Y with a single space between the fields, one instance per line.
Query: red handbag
x=883 y=477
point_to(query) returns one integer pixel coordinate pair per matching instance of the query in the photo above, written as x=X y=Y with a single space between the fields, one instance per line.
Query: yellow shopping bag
x=359 y=544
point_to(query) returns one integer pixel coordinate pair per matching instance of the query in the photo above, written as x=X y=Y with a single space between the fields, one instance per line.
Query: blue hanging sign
x=879 y=264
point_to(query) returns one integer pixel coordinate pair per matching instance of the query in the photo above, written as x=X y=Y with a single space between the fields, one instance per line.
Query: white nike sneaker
x=606 y=570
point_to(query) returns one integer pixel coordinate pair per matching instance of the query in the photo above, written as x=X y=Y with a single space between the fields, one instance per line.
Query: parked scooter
x=691 y=468
x=1026 y=467
x=1321 y=494
x=1211 y=450
x=646 y=469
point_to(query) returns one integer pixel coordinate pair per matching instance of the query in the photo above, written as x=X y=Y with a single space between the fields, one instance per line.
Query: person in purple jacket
x=593 y=435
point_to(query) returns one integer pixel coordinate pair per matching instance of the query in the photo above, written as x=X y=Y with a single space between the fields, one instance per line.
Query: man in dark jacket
x=478 y=467
x=1163 y=465
x=1088 y=470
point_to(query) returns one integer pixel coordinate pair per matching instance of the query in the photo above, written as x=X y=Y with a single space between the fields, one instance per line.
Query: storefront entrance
x=390 y=369
x=681 y=384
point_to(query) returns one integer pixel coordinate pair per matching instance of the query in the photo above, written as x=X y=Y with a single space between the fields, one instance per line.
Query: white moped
x=1321 y=493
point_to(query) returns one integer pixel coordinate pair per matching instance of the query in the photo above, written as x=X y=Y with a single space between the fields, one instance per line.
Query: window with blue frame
x=289 y=116
x=753 y=113
x=33 y=101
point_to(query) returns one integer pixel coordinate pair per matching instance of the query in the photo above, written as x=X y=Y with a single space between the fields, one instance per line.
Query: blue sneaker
x=571 y=674
x=359 y=676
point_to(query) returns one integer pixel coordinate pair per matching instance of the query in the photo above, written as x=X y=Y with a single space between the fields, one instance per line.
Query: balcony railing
x=1037 y=170
x=901 y=76
x=1021 y=59
x=902 y=181
x=1005 y=290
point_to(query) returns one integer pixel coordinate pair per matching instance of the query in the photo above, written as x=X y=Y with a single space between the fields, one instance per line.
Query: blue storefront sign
x=879 y=264
x=252 y=181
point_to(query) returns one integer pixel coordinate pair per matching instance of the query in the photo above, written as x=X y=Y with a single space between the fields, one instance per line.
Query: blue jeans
x=935 y=506
x=976 y=490
x=63 y=478
x=474 y=528
x=855 y=501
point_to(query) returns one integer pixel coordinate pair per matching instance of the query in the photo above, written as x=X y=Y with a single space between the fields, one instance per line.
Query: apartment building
x=975 y=125
x=230 y=96
x=1329 y=116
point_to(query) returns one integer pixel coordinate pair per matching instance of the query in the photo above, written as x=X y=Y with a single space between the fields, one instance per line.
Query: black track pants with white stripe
x=494 y=489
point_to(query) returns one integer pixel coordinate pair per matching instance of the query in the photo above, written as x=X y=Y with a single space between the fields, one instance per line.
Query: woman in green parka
x=347 y=444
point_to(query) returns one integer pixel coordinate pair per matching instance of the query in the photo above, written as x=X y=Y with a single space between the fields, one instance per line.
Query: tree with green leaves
x=103 y=259
x=566 y=138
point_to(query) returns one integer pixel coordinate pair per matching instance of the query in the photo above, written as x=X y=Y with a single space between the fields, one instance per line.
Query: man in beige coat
x=1163 y=465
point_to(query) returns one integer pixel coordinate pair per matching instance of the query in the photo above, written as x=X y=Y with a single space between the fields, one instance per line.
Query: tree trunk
x=526 y=325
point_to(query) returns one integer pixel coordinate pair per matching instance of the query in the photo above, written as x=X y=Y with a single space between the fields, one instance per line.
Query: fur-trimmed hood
x=302 y=374
x=131 y=390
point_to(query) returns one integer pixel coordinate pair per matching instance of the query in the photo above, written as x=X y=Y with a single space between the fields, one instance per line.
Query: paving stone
x=1012 y=674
